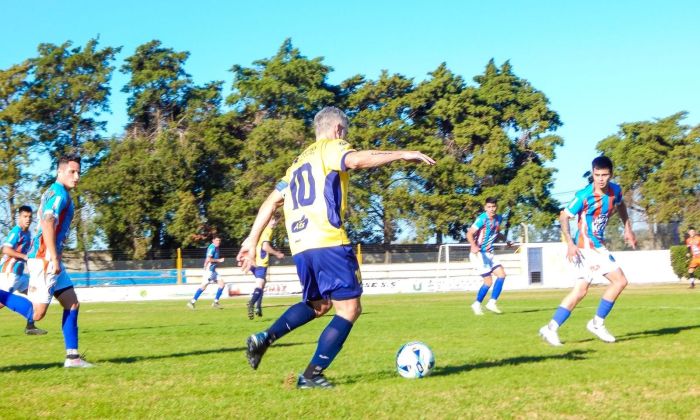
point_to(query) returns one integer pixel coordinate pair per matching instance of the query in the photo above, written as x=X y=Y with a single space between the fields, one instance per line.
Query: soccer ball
x=414 y=360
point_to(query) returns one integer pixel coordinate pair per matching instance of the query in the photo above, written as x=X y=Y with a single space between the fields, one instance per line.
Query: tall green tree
x=656 y=163
x=16 y=141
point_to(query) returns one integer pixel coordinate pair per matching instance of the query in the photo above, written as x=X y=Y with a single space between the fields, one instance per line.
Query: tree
x=656 y=163
x=15 y=139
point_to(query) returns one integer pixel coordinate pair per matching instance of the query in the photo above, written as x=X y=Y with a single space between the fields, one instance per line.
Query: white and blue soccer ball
x=414 y=360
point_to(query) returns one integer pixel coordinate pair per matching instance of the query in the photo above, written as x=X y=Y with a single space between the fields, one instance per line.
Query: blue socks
x=497 y=288
x=481 y=294
x=256 y=296
x=70 y=328
x=218 y=294
x=329 y=344
x=604 y=308
x=197 y=294
x=19 y=304
x=561 y=315
x=294 y=317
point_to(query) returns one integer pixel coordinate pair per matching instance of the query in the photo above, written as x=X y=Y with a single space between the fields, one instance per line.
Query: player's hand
x=54 y=266
x=280 y=255
x=221 y=260
x=413 y=156
x=573 y=254
x=246 y=256
x=474 y=249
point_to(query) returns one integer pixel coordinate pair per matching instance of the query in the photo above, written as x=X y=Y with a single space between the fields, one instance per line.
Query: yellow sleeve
x=333 y=154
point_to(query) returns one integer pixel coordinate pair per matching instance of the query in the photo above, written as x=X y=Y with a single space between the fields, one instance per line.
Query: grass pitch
x=162 y=360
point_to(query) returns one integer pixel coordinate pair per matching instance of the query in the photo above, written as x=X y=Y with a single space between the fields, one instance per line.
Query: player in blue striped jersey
x=482 y=235
x=13 y=276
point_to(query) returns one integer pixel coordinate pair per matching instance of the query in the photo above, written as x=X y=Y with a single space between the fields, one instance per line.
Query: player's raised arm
x=246 y=256
x=364 y=159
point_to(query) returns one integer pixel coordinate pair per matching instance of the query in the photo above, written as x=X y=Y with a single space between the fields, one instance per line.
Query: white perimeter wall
x=639 y=266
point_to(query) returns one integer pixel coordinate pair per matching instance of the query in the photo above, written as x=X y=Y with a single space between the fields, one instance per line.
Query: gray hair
x=327 y=118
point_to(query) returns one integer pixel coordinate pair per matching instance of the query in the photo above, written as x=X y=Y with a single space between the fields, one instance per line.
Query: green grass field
x=162 y=360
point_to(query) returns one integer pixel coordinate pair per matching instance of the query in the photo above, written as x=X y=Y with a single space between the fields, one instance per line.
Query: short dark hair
x=691 y=228
x=216 y=237
x=602 y=162
x=490 y=200
x=25 y=209
x=69 y=157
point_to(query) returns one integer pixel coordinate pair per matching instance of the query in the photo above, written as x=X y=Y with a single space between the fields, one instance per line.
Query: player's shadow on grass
x=149 y=327
x=653 y=333
x=527 y=311
x=135 y=359
x=511 y=361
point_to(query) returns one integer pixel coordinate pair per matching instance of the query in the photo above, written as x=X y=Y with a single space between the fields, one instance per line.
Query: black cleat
x=258 y=312
x=319 y=381
x=33 y=330
x=256 y=346
x=250 y=310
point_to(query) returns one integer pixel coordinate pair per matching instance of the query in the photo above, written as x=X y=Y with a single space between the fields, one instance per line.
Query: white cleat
x=550 y=336
x=476 y=307
x=491 y=306
x=600 y=331
x=77 y=363
x=190 y=305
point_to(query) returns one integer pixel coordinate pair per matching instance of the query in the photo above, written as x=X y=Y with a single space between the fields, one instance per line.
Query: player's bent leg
x=596 y=326
x=71 y=306
x=294 y=317
x=481 y=293
x=330 y=343
x=500 y=274
x=549 y=332
x=219 y=292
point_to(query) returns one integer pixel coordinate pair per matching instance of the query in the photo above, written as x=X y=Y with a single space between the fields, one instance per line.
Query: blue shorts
x=260 y=273
x=329 y=273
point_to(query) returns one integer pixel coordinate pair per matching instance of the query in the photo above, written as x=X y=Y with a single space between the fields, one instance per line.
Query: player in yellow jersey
x=262 y=261
x=314 y=195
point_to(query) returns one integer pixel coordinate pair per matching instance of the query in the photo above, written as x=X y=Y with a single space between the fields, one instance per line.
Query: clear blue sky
x=600 y=63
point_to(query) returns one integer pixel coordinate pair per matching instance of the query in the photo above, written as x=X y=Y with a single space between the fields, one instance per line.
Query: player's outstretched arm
x=630 y=237
x=270 y=250
x=364 y=159
x=246 y=256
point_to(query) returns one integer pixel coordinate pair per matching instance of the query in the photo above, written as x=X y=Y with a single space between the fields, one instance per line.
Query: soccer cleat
x=600 y=331
x=258 y=312
x=33 y=330
x=550 y=336
x=476 y=307
x=190 y=305
x=216 y=305
x=250 y=310
x=77 y=363
x=491 y=306
x=256 y=346
x=319 y=381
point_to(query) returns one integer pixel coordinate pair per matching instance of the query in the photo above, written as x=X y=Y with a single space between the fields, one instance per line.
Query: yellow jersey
x=262 y=258
x=315 y=190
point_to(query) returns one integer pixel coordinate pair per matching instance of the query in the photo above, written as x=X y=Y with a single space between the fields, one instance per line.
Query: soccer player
x=593 y=206
x=12 y=275
x=314 y=195
x=262 y=261
x=47 y=274
x=481 y=235
x=693 y=244
x=210 y=275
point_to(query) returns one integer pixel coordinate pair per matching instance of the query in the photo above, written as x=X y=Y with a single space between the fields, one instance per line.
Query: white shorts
x=598 y=261
x=210 y=276
x=42 y=285
x=484 y=262
x=11 y=282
